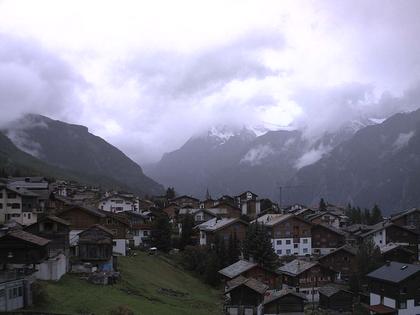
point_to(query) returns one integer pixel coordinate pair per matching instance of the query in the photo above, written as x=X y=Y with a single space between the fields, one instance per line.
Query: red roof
x=381 y=309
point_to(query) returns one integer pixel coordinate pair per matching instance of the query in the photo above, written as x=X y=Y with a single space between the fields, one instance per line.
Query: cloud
x=256 y=155
x=33 y=80
x=312 y=156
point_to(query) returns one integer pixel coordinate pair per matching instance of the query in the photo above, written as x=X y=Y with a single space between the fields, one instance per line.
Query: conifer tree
x=187 y=230
x=376 y=216
x=162 y=233
x=322 y=205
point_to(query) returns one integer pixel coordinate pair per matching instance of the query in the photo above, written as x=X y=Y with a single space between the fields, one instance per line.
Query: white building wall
x=410 y=310
x=285 y=246
x=203 y=238
x=375 y=299
x=379 y=238
x=52 y=269
x=29 y=218
x=120 y=246
x=117 y=205
x=389 y=302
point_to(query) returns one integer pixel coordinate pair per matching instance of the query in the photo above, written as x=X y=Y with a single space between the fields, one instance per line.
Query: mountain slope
x=74 y=149
x=379 y=164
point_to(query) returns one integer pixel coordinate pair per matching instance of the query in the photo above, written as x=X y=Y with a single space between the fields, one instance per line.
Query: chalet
x=342 y=261
x=394 y=289
x=248 y=269
x=409 y=219
x=290 y=235
x=57 y=231
x=336 y=297
x=305 y=277
x=18 y=204
x=140 y=227
x=303 y=213
x=172 y=210
x=326 y=238
x=186 y=201
x=388 y=232
x=38 y=185
x=284 y=301
x=229 y=209
x=245 y=295
x=222 y=229
x=208 y=203
x=226 y=199
x=120 y=227
x=397 y=252
x=326 y=218
x=118 y=203
x=95 y=247
x=249 y=204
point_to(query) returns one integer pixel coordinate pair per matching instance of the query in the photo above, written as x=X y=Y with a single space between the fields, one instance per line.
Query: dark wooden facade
x=326 y=237
x=315 y=276
x=293 y=227
x=342 y=301
x=242 y=295
x=81 y=218
x=288 y=303
x=409 y=219
x=237 y=228
x=95 y=244
x=15 y=250
x=342 y=261
x=55 y=229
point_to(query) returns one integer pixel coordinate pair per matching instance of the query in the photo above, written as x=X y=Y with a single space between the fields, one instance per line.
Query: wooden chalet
x=305 y=277
x=336 y=297
x=326 y=238
x=222 y=229
x=285 y=301
x=95 y=246
x=20 y=247
x=342 y=261
x=409 y=219
x=248 y=269
x=244 y=295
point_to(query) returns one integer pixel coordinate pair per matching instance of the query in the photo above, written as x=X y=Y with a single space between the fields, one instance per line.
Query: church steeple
x=208 y=197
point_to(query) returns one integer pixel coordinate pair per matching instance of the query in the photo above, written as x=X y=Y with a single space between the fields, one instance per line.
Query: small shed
x=285 y=301
x=336 y=297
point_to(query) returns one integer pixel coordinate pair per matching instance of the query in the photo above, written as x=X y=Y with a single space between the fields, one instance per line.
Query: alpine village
x=61 y=241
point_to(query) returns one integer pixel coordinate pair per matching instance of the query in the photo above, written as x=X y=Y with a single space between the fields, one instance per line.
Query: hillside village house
x=305 y=277
x=15 y=290
x=95 y=247
x=186 y=201
x=222 y=229
x=283 y=301
x=18 y=204
x=384 y=233
x=118 y=203
x=249 y=269
x=82 y=218
x=342 y=261
x=172 y=210
x=326 y=218
x=57 y=231
x=326 y=238
x=394 y=289
x=245 y=296
x=290 y=235
x=335 y=297
x=249 y=204
x=140 y=227
x=398 y=252
x=37 y=185
x=231 y=210
x=409 y=219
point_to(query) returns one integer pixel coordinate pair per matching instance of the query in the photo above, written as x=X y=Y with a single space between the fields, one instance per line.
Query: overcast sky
x=146 y=75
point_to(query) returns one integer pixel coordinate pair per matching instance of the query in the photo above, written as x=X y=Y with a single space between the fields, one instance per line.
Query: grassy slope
x=142 y=276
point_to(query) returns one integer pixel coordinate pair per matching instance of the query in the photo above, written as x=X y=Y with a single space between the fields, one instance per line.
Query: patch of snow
x=312 y=156
x=256 y=155
x=377 y=120
x=402 y=140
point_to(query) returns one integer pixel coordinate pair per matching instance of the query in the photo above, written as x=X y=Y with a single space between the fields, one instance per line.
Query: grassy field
x=150 y=285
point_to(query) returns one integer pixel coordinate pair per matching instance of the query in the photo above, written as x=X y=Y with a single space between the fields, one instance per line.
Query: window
x=305 y=250
x=15 y=205
x=20 y=291
x=278 y=242
x=305 y=241
x=403 y=304
x=146 y=233
x=29 y=216
x=1 y=206
x=114 y=243
x=288 y=242
x=1 y=195
x=288 y=251
x=2 y=293
x=295 y=245
x=279 y=252
x=11 y=195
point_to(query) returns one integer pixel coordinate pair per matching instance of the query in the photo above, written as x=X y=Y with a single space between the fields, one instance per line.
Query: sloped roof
x=296 y=267
x=251 y=283
x=217 y=224
x=394 y=272
x=391 y=246
x=88 y=209
x=382 y=225
x=237 y=268
x=55 y=219
x=332 y=229
x=274 y=295
x=401 y=214
x=333 y=288
x=28 y=237
x=22 y=191
x=351 y=250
